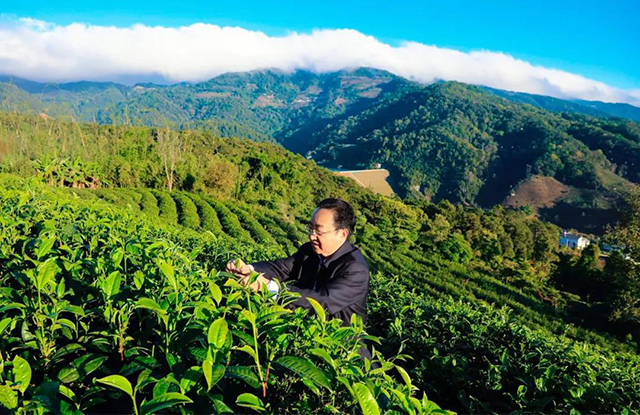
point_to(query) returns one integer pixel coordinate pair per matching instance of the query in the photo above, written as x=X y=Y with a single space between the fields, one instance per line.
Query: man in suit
x=328 y=268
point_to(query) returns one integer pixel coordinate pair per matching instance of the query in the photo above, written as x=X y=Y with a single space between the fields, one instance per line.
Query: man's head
x=331 y=224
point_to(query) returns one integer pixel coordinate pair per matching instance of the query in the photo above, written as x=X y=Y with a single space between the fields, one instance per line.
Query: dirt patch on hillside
x=339 y=101
x=375 y=179
x=267 y=100
x=213 y=94
x=361 y=82
x=371 y=93
x=538 y=192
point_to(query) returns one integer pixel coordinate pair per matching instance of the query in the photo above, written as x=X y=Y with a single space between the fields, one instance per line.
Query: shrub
x=476 y=358
x=258 y=233
x=187 y=211
x=102 y=312
x=208 y=218
x=167 y=206
x=229 y=221
x=149 y=203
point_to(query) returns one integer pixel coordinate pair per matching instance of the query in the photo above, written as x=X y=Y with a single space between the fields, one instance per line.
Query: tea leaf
x=111 y=285
x=249 y=400
x=190 y=378
x=150 y=304
x=4 y=324
x=304 y=368
x=366 y=400
x=67 y=393
x=212 y=373
x=21 y=373
x=45 y=247
x=144 y=379
x=8 y=397
x=321 y=353
x=216 y=293
x=118 y=382
x=245 y=374
x=405 y=376
x=220 y=406
x=318 y=309
x=163 y=401
x=168 y=272
x=138 y=279
x=46 y=273
x=217 y=334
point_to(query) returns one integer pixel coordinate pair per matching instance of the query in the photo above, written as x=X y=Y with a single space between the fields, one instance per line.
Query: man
x=327 y=268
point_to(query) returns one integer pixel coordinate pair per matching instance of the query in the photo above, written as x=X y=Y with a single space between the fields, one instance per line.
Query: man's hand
x=239 y=269
x=243 y=272
x=260 y=281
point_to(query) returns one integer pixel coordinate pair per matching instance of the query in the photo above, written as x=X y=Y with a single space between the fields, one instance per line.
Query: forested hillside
x=112 y=242
x=472 y=147
x=261 y=105
x=457 y=142
x=444 y=141
x=593 y=108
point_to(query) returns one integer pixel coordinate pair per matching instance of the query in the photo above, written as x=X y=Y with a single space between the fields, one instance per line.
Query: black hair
x=343 y=215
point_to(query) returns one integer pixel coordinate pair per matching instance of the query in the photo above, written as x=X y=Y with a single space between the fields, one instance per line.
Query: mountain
x=448 y=140
x=595 y=108
x=616 y=109
x=461 y=143
x=261 y=105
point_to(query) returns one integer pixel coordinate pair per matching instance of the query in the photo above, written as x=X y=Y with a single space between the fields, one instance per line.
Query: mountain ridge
x=447 y=140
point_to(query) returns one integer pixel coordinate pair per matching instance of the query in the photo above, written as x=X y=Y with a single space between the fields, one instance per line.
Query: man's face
x=326 y=239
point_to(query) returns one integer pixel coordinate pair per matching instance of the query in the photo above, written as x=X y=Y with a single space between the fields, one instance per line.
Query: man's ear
x=345 y=233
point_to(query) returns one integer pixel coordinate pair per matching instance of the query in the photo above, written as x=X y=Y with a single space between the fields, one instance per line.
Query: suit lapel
x=310 y=274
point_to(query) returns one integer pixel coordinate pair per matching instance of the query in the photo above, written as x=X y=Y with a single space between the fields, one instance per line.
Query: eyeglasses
x=312 y=231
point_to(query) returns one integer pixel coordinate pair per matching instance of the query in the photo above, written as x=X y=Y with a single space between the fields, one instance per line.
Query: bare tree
x=170 y=147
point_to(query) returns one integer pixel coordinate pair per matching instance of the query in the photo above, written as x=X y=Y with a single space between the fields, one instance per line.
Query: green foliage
x=208 y=217
x=149 y=203
x=458 y=142
x=167 y=206
x=455 y=248
x=622 y=271
x=248 y=221
x=482 y=359
x=104 y=312
x=148 y=290
x=187 y=211
x=229 y=221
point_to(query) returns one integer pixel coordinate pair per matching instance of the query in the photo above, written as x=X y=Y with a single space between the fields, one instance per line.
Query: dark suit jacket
x=342 y=282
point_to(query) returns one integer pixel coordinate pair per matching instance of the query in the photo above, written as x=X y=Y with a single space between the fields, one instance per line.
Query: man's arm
x=280 y=268
x=342 y=291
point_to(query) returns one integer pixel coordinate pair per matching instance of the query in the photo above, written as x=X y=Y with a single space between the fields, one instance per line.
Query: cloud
x=42 y=51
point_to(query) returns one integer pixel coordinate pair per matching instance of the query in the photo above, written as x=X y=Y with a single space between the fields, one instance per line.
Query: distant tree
x=220 y=176
x=170 y=147
x=434 y=231
x=589 y=257
x=623 y=271
x=455 y=248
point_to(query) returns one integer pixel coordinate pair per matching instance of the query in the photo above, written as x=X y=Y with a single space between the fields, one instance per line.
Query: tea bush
x=229 y=220
x=248 y=221
x=149 y=203
x=187 y=211
x=167 y=206
x=481 y=359
x=101 y=311
x=208 y=217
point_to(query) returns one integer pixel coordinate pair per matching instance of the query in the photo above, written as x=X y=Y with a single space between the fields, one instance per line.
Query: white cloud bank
x=43 y=51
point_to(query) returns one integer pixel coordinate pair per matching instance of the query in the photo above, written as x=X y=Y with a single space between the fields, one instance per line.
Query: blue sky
x=596 y=39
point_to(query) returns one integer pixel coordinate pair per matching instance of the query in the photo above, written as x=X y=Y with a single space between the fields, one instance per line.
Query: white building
x=573 y=241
